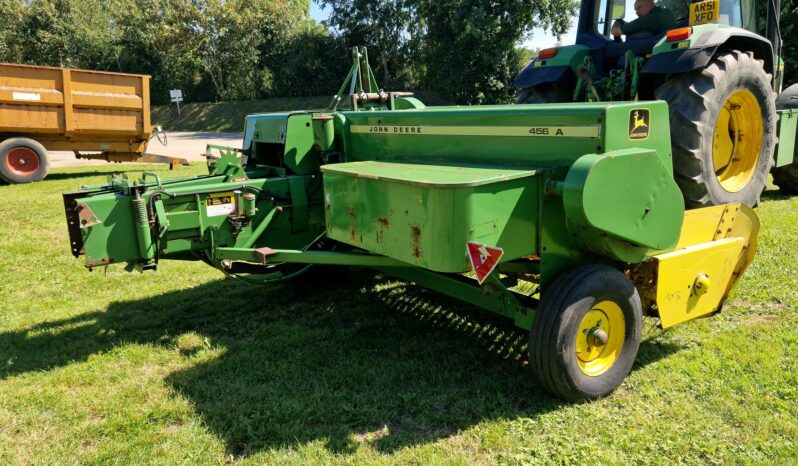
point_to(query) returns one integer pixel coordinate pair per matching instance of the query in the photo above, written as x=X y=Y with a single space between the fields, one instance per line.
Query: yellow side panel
x=711 y=264
x=97 y=121
x=24 y=118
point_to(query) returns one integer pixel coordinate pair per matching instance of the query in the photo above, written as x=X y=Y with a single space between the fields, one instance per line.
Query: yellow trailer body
x=96 y=114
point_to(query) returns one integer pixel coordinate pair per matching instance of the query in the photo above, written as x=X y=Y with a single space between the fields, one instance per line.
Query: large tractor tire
x=23 y=160
x=723 y=130
x=586 y=333
x=546 y=93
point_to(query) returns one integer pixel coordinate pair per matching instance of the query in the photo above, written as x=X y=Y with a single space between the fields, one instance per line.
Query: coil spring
x=140 y=212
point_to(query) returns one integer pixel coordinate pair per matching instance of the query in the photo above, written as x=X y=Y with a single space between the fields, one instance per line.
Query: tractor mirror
x=618 y=9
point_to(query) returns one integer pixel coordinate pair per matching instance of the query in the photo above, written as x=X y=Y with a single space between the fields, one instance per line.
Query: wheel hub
x=600 y=338
x=736 y=140
x=22 y=161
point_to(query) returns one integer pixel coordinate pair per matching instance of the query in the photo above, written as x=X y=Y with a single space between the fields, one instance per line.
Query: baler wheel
x=23 y=160
x=586 y=333
x=786 y=178
x=723 y=130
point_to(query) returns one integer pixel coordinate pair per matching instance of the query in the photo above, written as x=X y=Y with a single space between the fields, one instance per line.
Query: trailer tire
x=546 y=93
x=564 y=328
x=723 y=129
x=23 y=160
x=786 y=178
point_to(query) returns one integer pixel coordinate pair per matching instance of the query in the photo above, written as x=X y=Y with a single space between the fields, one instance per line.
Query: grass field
x=183 y=366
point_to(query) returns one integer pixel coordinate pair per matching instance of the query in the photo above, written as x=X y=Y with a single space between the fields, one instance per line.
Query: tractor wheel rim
x=737 y=140
x=595 y=356
x=22 y=161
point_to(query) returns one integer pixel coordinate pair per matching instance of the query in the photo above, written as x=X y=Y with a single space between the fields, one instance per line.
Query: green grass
x=183 y=366
x=229 y=116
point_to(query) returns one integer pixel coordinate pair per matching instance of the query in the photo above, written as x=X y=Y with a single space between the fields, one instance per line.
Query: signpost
x=176 y=97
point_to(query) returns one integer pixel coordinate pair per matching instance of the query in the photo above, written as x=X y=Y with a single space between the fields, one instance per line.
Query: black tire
x=562 y=311
x=23 y=160
x=696 y=101
x=786 y=178
x=546 y=93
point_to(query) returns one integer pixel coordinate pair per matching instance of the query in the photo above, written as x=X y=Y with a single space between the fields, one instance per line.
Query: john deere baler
x=564 y=218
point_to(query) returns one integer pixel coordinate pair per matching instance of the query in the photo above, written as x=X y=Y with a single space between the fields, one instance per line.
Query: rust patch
x=99 y=262
x=352 y=232
x=384 y=225
x=415 y=235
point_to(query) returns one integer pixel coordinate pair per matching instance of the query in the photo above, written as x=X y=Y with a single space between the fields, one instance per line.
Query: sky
x=540 y=38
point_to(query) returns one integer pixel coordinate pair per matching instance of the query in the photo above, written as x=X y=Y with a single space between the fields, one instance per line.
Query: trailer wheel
x=723 y=128
x=586 y=333
x=23 y=160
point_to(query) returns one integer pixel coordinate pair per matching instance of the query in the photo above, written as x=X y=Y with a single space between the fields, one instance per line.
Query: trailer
x=565 y=219
x=97 y=115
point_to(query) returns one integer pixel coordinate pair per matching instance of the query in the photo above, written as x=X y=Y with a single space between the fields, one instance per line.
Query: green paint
x=785 y=150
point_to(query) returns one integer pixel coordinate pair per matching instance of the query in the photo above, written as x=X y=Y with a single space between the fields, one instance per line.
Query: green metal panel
x=785 y=151
x=628 y=194
x=299 y=155
x=289 y=133
x=113 y=240
x=569 y=55
x=426 y=214
x=620 y=119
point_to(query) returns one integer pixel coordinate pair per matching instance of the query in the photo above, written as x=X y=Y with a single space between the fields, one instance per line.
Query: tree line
x=249 y=49
x=222 y=50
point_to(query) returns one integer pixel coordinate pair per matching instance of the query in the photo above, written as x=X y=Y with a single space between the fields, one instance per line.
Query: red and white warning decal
x=483 y=259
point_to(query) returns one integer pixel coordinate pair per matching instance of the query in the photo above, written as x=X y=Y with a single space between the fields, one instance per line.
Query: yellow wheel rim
x=600 y=338
x=737 y=140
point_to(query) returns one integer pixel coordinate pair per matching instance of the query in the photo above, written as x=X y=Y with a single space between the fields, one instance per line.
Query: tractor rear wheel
x=22 y=160
x=723 y=130
x=545 y=93
x=586 y=333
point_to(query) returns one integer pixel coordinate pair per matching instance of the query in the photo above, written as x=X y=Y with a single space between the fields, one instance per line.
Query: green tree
x=470 y=45
x=789 y=28
x=11 y=17
x=390 y=29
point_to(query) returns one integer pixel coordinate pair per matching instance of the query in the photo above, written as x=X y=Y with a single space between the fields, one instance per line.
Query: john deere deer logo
x=639 y=120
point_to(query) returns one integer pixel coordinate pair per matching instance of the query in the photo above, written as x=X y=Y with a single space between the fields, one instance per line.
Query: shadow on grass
x=367 y=359
x=776 y=195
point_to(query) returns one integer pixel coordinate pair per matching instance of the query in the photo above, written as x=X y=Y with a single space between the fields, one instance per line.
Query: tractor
x=719 y=68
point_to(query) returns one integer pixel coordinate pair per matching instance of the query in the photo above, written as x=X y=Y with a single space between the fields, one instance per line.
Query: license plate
x=704 y=12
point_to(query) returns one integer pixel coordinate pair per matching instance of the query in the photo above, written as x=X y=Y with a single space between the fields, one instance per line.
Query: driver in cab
x=651 y=21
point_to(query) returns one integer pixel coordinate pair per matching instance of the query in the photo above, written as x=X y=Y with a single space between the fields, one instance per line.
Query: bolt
x=600 y=337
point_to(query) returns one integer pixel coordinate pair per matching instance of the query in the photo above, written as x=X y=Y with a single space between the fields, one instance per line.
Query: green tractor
x=717 y=65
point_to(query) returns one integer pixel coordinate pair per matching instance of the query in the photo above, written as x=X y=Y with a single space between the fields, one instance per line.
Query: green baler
x=564 y=218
